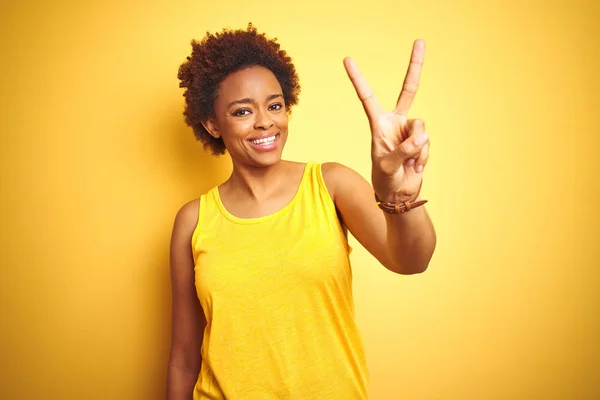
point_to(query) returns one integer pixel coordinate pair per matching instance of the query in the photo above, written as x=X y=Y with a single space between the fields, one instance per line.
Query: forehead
x=254 y=82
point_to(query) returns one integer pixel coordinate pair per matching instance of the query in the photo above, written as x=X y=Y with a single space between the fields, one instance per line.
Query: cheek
x=282 y=121
x=236 y=128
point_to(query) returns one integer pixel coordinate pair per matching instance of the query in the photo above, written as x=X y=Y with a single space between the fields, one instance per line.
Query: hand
x=399 y=146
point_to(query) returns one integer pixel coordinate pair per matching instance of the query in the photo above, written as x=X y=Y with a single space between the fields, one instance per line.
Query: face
x=250 y=117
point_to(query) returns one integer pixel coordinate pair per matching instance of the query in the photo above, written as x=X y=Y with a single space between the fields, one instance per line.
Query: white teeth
x=267 y=140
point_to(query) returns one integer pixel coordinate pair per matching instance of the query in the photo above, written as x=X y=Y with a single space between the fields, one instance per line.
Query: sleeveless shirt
x=276 y=292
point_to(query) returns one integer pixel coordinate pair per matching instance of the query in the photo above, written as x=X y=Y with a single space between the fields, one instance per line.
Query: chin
x=267 y=160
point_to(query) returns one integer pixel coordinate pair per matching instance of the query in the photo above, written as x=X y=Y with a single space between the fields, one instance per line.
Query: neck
x=256 y=182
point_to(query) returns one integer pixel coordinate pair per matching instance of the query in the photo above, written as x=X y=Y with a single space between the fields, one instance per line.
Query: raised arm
x=188 y=320
x=403 y=242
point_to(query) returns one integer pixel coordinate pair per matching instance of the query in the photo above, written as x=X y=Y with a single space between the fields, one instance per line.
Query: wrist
x=400 y=207
x=392 y=198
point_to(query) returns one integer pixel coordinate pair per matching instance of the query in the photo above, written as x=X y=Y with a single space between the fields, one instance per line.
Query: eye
x=242 y=112
x=275 y=107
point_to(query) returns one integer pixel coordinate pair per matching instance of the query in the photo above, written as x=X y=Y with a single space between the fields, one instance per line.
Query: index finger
x=411 y=80
x=372 y=106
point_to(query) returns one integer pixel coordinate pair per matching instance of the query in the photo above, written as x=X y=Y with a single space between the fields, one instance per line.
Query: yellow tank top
x=277 y=295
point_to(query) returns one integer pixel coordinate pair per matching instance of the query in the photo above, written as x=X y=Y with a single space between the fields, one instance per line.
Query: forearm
x=411 y=240
x=180 y=383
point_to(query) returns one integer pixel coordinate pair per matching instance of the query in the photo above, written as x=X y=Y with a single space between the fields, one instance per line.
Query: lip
x=269 y=147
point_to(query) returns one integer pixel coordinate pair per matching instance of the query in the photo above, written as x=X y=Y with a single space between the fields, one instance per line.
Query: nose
x=263 y=120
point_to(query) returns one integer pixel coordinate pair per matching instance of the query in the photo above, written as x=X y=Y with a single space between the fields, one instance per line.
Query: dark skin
x=250 y=107
x=188 y=322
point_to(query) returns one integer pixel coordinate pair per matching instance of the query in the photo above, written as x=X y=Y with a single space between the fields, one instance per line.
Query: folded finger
x=412 y=147
x=421 y=161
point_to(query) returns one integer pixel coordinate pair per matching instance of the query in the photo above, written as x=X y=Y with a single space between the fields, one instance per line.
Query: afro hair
x=217 y=56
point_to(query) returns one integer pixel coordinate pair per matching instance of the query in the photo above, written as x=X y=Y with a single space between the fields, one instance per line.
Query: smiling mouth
x=264 y=141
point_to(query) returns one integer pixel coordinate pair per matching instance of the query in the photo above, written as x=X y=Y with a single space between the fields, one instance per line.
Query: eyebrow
x=249 y=100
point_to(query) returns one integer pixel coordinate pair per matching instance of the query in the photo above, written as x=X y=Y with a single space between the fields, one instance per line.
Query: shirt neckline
x=264 y=218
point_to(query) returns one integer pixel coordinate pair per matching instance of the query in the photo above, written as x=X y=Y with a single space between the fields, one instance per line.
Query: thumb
x=411 y=147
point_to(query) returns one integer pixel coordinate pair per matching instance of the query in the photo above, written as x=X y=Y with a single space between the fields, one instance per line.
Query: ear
x=211 y=126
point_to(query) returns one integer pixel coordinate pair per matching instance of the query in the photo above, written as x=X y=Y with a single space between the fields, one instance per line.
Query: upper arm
x=353 y=197
x=188 y=320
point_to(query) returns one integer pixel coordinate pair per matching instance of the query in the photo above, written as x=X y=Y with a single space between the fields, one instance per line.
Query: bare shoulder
x=335 y=170
x=340 y=179
x=187 y=218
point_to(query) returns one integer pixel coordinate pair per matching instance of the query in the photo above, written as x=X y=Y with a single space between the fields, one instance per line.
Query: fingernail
x=421 y=139
x=410 y=161
x=419 y=169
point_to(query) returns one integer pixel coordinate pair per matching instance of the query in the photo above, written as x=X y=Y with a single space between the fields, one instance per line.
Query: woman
x=262 y=299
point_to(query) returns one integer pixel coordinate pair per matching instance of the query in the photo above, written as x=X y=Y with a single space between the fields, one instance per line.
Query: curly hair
x=219 y=55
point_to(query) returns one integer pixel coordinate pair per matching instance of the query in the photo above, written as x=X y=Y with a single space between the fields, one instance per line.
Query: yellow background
x=96 y=159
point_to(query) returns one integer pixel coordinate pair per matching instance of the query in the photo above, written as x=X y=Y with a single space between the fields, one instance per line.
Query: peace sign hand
x=399 y=146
